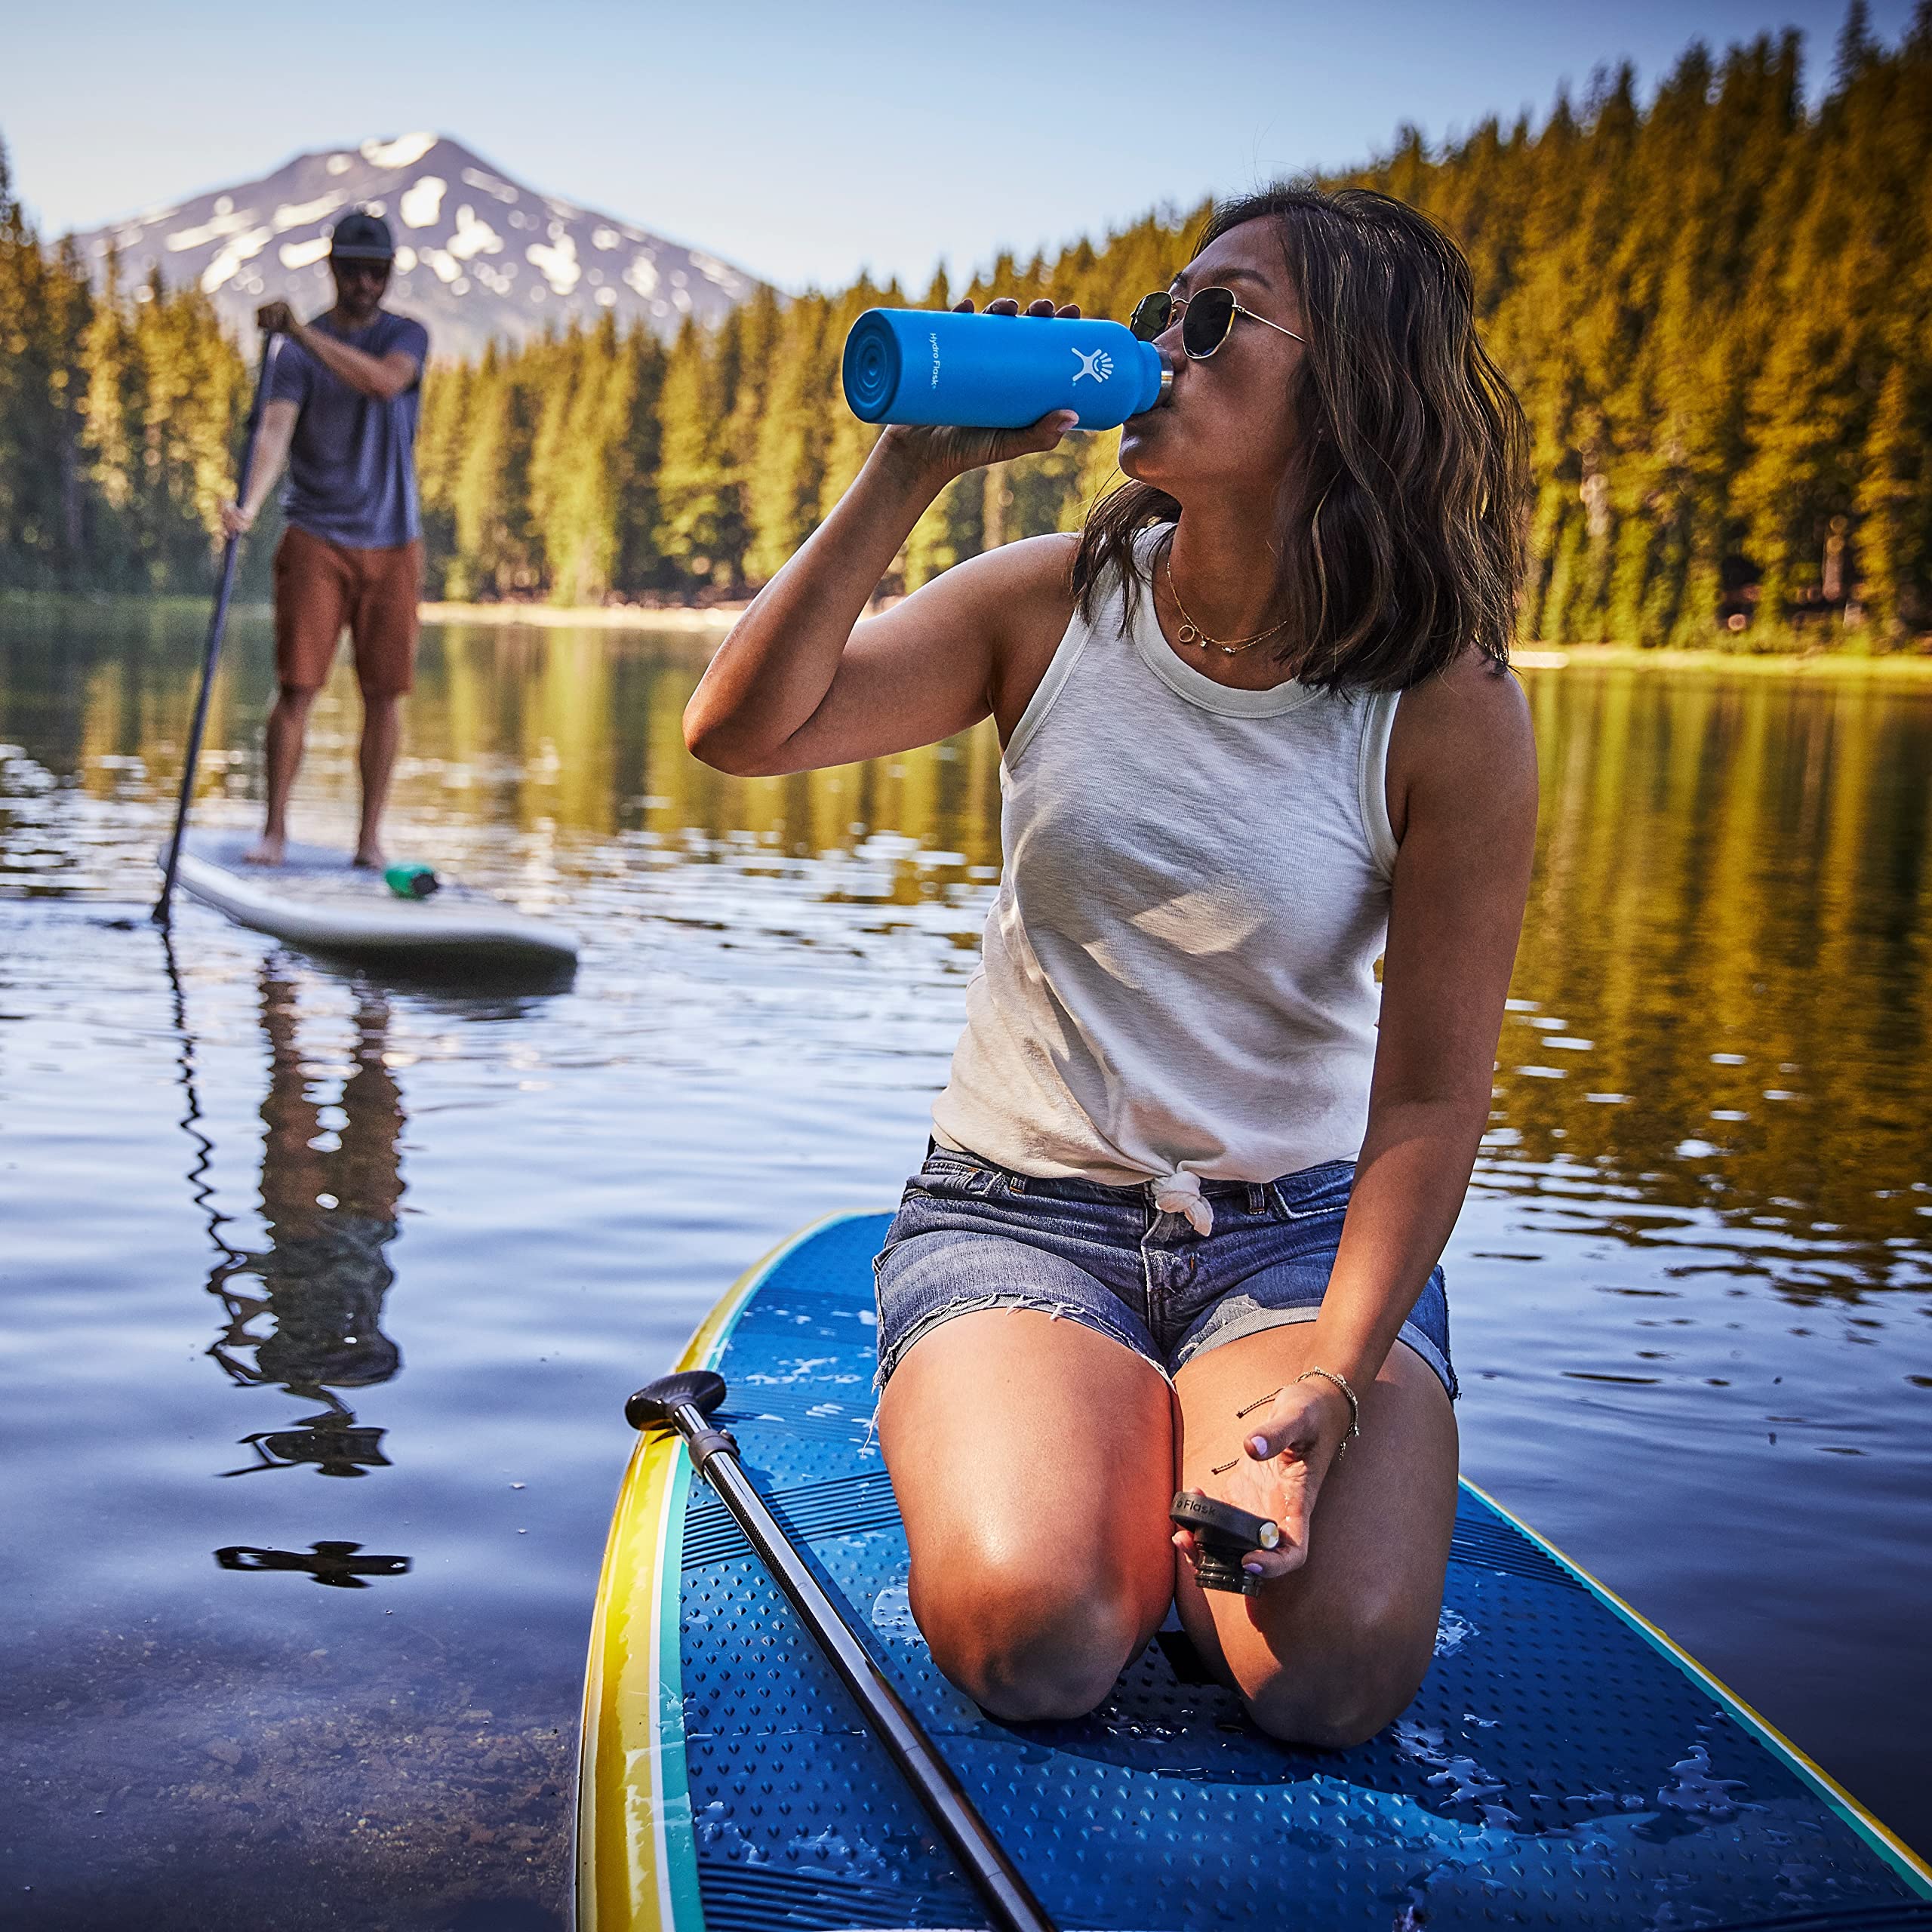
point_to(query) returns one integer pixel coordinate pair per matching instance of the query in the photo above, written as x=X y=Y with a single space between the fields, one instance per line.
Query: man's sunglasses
x=1206 y=317
x=353 y=270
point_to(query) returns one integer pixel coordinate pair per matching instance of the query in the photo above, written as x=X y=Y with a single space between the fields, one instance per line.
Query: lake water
x=294 y=1263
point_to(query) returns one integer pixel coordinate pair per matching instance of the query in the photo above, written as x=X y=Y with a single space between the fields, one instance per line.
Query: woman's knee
x=1025 y=1646
x=1335 y=1701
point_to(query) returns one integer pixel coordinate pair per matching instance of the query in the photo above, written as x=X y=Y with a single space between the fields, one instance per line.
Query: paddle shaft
x=994 y=1875
x=211 y=647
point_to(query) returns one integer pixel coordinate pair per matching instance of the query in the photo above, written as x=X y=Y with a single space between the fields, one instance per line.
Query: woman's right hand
x=952 y=452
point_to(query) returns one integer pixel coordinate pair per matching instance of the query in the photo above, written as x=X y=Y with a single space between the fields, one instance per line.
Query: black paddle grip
x=651 y=1407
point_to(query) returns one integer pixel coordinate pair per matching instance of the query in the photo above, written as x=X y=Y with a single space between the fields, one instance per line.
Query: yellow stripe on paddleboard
x=634 y=1869
x=1886 y=1843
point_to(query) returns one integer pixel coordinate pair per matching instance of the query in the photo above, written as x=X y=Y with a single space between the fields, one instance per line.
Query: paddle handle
x=211 y=645
x=994 y=1875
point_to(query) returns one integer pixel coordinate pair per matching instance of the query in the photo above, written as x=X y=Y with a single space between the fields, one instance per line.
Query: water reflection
x=1690 y=1282
x=1722 y=1002
x=1723 y=999
x=341 y=1566
x=304 y=1313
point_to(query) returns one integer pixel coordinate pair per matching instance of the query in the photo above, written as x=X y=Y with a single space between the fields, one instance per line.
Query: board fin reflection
x=341 y=1566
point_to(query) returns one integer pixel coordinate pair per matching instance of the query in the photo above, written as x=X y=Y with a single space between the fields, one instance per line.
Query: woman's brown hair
x=1400 y=528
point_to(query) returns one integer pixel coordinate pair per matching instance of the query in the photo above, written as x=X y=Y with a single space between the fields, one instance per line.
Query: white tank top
x=1178 y=980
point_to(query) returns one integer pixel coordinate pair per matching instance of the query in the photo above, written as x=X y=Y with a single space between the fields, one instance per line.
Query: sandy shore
x=713 y=621
x=716 y=619
x=1786 y=664
x=590 y=616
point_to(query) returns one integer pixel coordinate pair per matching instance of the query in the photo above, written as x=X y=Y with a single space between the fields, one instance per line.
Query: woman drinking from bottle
x=1190 y=1175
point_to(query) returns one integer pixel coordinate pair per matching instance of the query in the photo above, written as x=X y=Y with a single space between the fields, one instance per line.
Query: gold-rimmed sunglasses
x=1206 y=318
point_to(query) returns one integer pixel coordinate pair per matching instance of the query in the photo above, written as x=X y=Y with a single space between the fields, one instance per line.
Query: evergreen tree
x=697 y=533
x=633 y=438
x=43 y=308
x=497 y=550
x=1716 y=305
x=786 y=471
x=1893 y=494
x=441 y=433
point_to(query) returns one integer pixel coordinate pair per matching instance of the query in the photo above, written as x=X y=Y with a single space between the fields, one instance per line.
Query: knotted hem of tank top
x=1180 y=1193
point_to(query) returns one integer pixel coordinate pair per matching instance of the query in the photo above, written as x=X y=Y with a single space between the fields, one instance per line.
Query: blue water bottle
x=997 y=372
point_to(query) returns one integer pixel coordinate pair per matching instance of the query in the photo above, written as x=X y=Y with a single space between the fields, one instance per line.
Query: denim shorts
x=970 y=1236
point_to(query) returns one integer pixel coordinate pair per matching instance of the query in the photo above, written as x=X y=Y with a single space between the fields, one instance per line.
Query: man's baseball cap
x=362 y=237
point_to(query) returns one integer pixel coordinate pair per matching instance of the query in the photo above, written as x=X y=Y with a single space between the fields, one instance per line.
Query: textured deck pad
x=1559 y=1768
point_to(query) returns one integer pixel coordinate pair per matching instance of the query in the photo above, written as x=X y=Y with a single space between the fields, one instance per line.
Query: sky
x=803 y=143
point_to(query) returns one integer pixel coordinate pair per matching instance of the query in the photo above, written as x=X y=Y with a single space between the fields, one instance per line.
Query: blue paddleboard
x=1565 y=1764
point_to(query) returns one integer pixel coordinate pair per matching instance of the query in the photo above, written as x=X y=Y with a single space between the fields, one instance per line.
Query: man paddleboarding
x=344 y=396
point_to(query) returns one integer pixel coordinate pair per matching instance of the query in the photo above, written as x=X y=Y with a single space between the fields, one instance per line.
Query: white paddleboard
x=317 y=900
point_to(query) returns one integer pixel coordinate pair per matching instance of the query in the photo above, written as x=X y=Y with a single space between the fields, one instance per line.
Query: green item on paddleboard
x=316 y=899
x=411 y=882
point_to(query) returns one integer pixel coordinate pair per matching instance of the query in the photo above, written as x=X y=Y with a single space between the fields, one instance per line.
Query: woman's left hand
x=1287 y=1452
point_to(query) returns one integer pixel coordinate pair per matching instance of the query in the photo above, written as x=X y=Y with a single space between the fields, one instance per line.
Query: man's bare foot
x=371 y=858
x=268 y=852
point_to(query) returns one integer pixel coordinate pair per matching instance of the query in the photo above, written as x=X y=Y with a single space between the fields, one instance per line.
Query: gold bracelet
x=1354 y=1408
x=1340 y=1382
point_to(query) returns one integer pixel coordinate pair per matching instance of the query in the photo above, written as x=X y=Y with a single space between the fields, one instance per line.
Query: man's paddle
x=217 y=623
x=685 y=1403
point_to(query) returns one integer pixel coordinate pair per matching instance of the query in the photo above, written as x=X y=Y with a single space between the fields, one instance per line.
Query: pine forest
x=1714 y=302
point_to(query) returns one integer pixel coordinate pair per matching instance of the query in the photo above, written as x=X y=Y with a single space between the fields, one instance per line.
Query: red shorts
x=319 y=586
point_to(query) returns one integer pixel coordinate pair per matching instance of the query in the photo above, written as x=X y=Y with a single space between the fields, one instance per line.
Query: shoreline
x=713 y=620
x=1904 y=664
x=588 y=617
x=1525 y=657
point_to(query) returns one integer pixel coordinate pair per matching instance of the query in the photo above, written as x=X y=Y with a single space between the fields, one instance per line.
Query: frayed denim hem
x=1059 y=1311
x=1242 y=1317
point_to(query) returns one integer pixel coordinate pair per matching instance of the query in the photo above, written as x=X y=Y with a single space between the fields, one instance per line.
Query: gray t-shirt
x=352 y=465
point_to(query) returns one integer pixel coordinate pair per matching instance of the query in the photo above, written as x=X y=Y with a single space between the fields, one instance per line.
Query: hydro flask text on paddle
x=997 y=372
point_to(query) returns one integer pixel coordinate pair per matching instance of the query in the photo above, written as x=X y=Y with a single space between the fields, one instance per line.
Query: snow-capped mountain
x=477 y=255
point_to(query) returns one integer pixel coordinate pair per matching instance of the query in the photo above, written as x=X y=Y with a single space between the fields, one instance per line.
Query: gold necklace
x=1192 y=633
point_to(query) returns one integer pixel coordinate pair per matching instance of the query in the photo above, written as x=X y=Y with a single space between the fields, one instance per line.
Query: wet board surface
x=1564 y=1764
x=316 y=899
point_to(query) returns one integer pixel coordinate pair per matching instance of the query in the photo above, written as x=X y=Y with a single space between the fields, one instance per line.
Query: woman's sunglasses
x=1206 y=317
